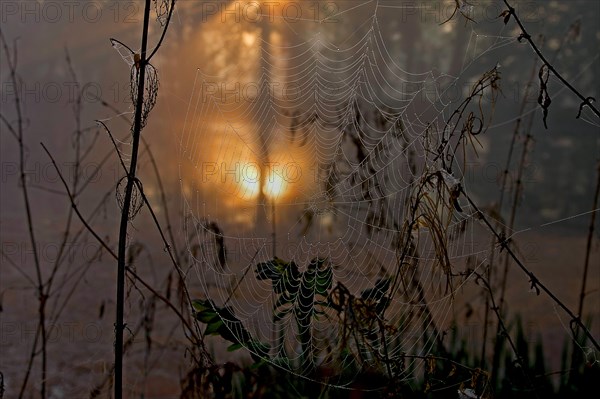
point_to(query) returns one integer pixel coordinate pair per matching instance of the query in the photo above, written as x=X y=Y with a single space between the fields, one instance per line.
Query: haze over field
x=302 y=131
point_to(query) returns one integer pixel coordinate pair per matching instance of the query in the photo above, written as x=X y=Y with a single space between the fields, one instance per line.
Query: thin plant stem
x=585 y=101
x=535 y=282
x=168 y=248
x=504 y=330
x=575 y=356
x=122 y=246
x=12 y=67
x=105 y=245
x=511 y=222
x=588 y=248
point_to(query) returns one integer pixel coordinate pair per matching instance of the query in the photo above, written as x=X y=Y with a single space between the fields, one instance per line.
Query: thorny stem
x=513 y=212
x=585 y=101
x=515 y=204
x=535 y=282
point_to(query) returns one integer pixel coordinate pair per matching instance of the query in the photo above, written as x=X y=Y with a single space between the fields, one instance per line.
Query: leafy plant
x=223 y=322
x=303 y=293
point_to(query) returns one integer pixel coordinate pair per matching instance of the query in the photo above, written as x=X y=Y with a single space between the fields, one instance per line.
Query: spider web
x=324 y=149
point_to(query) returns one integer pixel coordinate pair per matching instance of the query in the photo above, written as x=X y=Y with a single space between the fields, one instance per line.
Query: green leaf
x=257 y=365
x=200 y=305
x=234 y=347
x=304 y=293
x=288 y=280
x=207 y=316
x=214 y=327
x=222 y=321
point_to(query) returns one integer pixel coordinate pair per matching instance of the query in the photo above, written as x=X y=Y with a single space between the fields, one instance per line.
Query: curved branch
x=164 y=32
x=535 y=282
x=525 y=35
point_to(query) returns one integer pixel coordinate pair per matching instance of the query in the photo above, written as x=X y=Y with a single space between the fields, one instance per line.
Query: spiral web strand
x=324 y=152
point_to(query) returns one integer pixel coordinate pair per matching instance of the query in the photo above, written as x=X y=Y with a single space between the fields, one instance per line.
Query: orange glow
x=275 y=186
x=249 y=38
x=249 y=181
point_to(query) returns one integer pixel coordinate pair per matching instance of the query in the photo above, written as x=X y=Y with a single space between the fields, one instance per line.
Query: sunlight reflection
x=275 y=186
x=249 y=179
x=249 y=38
x=241 y=149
